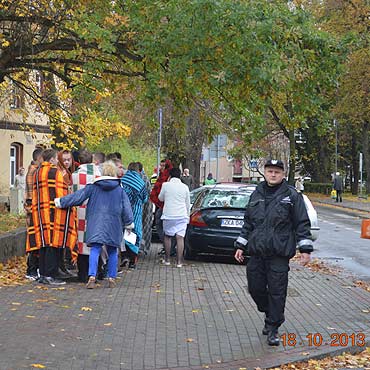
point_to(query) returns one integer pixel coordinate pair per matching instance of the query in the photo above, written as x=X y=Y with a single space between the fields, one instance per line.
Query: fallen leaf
x=158 y=291
x=16 y=304
x=65 y=306
x=305 y=353
x=200 y=288
x=80 y=314
x=30 y=316
x=365 y=311
x=227 y=291
x=189 y=340
x=195 y=311
x=53 y=345
x=318 y=304
x=330 y=328
x=108 y=349
x=108 y=324
x=230 y=310
x=86 y=309
x=38 y=366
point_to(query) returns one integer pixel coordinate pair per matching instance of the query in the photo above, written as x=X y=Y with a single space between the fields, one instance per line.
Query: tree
x=264 y=61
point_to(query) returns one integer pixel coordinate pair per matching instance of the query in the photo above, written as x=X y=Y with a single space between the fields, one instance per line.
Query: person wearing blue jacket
x=108 y=213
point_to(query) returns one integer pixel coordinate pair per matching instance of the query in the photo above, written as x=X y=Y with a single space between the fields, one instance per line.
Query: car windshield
x=226 y=198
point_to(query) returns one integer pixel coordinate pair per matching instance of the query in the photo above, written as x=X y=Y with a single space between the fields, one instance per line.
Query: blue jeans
x=95 y=250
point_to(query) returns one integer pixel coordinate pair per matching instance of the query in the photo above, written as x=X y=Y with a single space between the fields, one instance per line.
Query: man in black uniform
x=275 y=222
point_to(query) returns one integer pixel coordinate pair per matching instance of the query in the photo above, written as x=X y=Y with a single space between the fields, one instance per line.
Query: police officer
x=275 y=222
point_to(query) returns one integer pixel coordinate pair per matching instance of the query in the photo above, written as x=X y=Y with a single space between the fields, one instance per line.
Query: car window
x=225 y=198
x=194 y=193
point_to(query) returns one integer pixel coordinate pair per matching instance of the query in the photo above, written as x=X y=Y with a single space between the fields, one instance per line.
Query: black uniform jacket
x=277 y=228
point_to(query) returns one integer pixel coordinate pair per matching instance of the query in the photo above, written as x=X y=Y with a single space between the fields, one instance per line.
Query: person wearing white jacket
x=175 y=216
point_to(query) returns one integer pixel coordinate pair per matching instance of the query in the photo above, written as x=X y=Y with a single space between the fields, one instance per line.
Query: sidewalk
x=158 y=317
x=360 y=205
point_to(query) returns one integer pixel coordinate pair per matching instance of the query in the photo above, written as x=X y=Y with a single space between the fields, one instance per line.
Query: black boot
x=273 y=338
x=265 y=329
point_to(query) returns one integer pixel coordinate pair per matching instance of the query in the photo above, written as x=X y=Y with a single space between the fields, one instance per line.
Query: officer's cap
x=274 y=163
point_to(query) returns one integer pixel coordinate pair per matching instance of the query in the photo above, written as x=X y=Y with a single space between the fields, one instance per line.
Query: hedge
x=317 y=187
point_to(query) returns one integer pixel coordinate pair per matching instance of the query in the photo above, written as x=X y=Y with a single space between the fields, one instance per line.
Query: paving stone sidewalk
x=199 y=316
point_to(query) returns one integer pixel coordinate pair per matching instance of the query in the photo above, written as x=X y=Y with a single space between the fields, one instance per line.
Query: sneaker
x=51 y=281
x=111 y=283
x=31 y=277
x=132 y=266
x=124 y=262
x=91 y=284
x=273 y=338
x=166 y=263
x=62 y=274
x=179 y=265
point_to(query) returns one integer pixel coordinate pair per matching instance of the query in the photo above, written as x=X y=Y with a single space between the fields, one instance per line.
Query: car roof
x=230 y=186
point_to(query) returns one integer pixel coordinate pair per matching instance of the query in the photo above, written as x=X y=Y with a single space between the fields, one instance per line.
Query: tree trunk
x=292 y=157
x=195 y=138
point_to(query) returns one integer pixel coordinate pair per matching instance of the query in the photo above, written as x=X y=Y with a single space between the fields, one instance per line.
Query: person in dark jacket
x=275 y=222
x=108 y=213
x=338 y=186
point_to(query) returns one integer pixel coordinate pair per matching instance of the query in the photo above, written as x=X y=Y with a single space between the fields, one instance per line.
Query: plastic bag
x=333 y=194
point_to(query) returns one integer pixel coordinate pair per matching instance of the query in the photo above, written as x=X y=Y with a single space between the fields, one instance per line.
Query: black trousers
x=83 y=267
x=339 y=195
x=32 y=263
x=49 y=260
x=268 y=283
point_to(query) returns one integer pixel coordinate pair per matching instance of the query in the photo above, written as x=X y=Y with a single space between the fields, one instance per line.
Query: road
x=339 y=242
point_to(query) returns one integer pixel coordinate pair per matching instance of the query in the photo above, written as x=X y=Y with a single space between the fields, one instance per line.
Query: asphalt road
x=339 y=242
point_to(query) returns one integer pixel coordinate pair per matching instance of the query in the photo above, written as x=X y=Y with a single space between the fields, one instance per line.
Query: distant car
x=217 y=215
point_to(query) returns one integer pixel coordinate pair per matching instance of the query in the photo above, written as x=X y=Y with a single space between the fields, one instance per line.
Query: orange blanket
x=50 y=226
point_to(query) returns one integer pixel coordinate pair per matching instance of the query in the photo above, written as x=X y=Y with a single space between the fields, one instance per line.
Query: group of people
x=78 y=209
x=85 y=210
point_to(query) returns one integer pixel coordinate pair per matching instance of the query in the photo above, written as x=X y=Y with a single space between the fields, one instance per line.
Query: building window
x=16 y=160
x=16 y=97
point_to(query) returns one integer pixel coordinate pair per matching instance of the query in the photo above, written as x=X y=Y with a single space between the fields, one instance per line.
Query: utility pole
x=160 y=119
x=336 y=145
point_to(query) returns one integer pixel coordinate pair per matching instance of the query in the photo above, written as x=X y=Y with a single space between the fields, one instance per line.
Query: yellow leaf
x=158 y=291
x=86 y=309
x=65 y=306
x=194 y=311
x=189 y=340
x=305 y=353
x=108 y=324
x=16 y=304
x=30 y=316
x=38 y=366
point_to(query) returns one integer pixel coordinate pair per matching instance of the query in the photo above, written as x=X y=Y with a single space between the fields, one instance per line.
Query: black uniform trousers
x=268 y=283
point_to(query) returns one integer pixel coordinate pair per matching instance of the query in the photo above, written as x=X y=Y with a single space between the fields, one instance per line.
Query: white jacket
x=176 y=198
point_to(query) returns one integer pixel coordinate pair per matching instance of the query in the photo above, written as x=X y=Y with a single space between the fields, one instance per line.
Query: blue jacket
x=108 y=210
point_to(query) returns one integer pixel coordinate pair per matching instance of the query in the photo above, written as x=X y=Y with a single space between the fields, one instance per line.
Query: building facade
x=22 y=128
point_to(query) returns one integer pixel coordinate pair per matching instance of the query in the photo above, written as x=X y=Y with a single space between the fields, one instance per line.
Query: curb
x=353 y=211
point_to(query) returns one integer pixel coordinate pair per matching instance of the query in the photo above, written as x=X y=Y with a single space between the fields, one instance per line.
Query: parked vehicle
x=217 y=216
x=216 y=219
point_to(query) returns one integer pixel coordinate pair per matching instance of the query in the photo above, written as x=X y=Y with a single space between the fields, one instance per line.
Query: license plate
x=226 y=222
